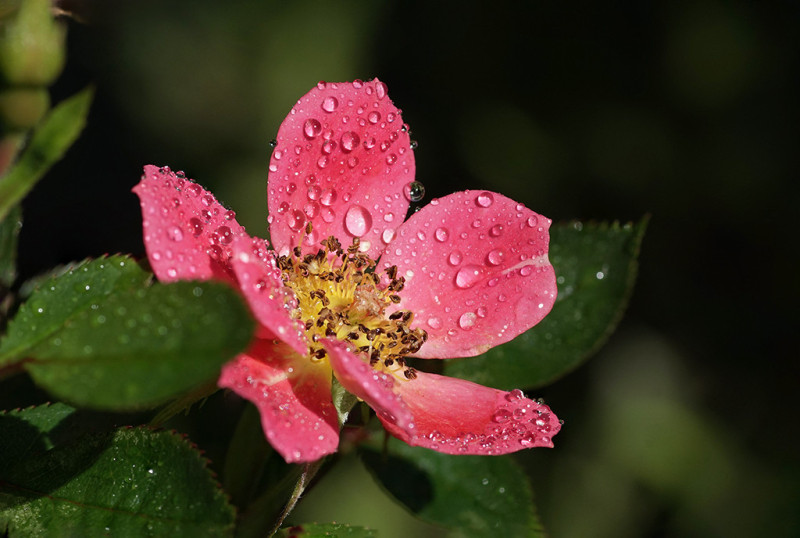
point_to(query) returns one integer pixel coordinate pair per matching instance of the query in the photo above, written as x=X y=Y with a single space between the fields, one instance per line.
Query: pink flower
x=350 y=290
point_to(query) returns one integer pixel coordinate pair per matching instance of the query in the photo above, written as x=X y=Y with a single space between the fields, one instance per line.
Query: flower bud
x=22 y=108
x=31 y=45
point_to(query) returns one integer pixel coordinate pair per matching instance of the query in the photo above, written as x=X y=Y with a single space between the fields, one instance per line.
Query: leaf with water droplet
x=56 y=479
x=58 y=300
x=474 y=496
x=595 y=267
x=323 y=530
x=168 y=339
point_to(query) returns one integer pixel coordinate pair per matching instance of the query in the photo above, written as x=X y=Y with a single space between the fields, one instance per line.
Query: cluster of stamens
x=339 y=295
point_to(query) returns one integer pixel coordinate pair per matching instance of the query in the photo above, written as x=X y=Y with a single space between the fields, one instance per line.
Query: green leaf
x=326 y=530
x=49 y=142
x=475 y=496
x=139 y=347
x=127 y=482
x=596 y=266
x=62 y=298
x=343 y=401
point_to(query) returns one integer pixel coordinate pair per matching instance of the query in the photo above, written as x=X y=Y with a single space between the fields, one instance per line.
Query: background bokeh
x=686 y=423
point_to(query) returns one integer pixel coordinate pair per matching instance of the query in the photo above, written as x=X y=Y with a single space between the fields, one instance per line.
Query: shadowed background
x=685 y=424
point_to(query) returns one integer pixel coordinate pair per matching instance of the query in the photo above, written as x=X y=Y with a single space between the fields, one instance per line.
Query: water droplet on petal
x=296 y=220
x=224 y=235
x=496 y=230
x=175 y=233
x=495 y=257
x=501 y=415
x=527 y=270
x=434 y=323
x=349 y=141
x=484 y=199
x=532 y=221
x=357 y=220
x=380 y=90
x=330 y=103
x=455 y=258
x=514 y=395
x=195 y=226
x=441 y=234
x=328 y=214
x=312 y=128
x=468 y=276
x=388 y=235
x=327 y=197
x=467 y=320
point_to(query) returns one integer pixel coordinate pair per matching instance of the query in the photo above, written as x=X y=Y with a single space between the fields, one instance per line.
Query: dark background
x=686 y=423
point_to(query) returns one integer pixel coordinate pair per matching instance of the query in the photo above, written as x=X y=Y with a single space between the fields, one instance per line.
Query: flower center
x=339 y=295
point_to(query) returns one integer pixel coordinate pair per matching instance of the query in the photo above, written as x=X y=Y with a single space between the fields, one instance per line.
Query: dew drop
x=441 y=234
x=374 y=117
x=495 y=257
x=468 y=276
x=434 y=323
x=514 y=395
x=380 y=90
x=414 y=191
x=455 y=258
x=484 y=199
x=527 y=270
x=313 y=192
x=327 y=214
x=496 y=230
x=388 y=235
x=175 y=233
x=467 y=320
x=312 y=128
x=311 y=210
x=330 y=103
x=224 y=235
x=327 y=197
x=501 y=416
x=532 y=221
x=296 y=220
x=391 y=159
x=357 y=220
x=349 y=141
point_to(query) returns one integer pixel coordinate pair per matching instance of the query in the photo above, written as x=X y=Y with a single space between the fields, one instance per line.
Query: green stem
x=309 y=471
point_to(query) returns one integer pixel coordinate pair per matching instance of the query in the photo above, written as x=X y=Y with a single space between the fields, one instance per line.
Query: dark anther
x=394 y=298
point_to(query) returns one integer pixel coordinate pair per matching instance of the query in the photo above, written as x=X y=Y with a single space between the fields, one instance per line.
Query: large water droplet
x=434 y=323
x=195 y=226
x=312 y=128
x=313 y=192
x=455 y=258
x=526 y=271
x=224 y=235
x=327 y=197
x=328 y=146
x=327 y=214
x=501 y=416
x=388 y=235
x=374 y=117
x=296 y=220
x=468 y=276
x=495 y=257
x=349 y=141
x=496 y=230
x=357 y=220
x=414 y=191
x=467 y=320
x=441 y=234
x=330 y=103
x=484 y=199
x=175 y=233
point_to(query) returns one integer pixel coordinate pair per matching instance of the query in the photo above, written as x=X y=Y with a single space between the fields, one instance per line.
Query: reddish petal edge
x=293 y=397
x=375 y=388
x=187 y=233
x=476 y=269
x=260 y=282
x=460 y=417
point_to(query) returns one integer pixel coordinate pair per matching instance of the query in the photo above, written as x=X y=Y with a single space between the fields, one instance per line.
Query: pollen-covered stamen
x=339 y=295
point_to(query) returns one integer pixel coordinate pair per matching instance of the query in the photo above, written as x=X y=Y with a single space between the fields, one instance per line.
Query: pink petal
x=261 y=284
x=476 y=269
x=341 y=162
x=293 y=396
x=187 y=233
x=373 y=387
x=460 y=417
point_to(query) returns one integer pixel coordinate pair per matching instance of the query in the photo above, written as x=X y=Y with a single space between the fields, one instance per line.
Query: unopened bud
x=31 y=45
x=22 y=108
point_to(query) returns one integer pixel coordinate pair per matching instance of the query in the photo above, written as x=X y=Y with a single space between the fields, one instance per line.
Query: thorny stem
x=309 y=471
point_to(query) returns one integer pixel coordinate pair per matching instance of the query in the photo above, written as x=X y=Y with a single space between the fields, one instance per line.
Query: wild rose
x=349 y=290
